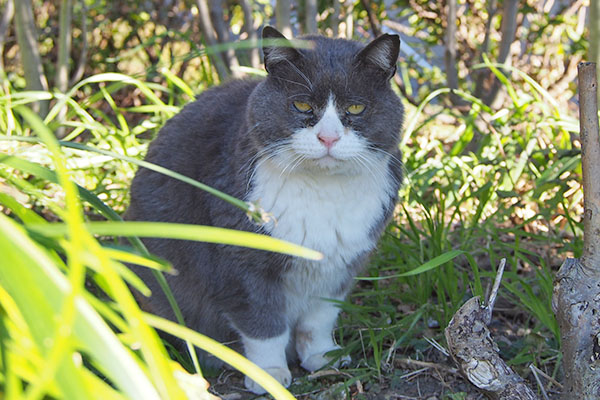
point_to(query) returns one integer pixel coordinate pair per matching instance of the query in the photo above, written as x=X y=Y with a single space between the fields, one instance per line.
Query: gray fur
x=215 y=140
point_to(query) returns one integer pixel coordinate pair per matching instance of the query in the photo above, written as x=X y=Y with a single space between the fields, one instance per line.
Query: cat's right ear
x=276 y=48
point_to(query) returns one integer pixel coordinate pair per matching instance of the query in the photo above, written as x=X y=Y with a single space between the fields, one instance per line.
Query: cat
x=316 y=144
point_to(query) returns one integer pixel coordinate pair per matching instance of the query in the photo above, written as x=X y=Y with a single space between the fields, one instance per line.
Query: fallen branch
x=476 y=354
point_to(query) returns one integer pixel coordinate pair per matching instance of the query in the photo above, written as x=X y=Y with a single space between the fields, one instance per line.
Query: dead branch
x=476 y=354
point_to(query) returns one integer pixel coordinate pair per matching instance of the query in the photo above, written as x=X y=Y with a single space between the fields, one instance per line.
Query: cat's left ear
x=381 y=53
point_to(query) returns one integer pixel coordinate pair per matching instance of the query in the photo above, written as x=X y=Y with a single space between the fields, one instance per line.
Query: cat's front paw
x=282 y=375
x=319 y=360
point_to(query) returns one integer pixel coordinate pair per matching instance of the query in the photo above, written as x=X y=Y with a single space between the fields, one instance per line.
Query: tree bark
x=30 y=53
x=576 y=297
x=7 y=16
x=283 y=10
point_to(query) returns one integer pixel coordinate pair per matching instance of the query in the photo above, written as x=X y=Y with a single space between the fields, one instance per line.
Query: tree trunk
x=508 y=29
x=61 y=81
x=311 y=16
x=7 y=16
x=210 y=40
x=349 y=19
x=576 y=297
x=64 y=46
x=450 y=51
x=335 y=18
x=283 y=10
x=249 y=29
x=30 y=53
x=81 y=61
x=482 y=75
x=222 y=32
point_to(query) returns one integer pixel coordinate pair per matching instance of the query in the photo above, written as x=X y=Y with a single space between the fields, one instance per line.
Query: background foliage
x=491 y=152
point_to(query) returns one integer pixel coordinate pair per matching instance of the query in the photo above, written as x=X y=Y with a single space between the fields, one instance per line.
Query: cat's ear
x=277 y=49
x=381 y=53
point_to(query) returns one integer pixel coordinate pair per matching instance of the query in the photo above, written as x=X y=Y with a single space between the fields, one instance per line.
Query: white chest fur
x=331 y=213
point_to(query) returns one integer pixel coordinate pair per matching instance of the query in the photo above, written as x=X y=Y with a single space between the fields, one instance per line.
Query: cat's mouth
x=327 y=160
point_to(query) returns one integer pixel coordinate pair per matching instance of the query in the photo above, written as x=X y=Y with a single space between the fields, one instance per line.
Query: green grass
x=59 y=339
x=493 y=183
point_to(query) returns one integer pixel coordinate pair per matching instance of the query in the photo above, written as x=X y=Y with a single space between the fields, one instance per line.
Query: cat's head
x=326 y=104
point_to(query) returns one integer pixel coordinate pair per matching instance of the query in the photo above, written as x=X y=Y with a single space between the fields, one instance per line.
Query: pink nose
x=328 y=140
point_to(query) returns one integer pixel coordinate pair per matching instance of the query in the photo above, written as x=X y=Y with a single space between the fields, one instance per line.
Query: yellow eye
x=355 y=109
x=302 y=107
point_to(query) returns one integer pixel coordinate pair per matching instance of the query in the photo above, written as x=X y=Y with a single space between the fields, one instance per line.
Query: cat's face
x=326 y=108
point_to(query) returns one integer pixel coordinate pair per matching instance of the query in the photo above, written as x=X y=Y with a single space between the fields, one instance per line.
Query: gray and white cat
x=316 y=144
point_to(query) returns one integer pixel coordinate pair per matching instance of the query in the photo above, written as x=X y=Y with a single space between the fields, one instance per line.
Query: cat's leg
x=314 y=335
x=269 y=354
x=260 y=320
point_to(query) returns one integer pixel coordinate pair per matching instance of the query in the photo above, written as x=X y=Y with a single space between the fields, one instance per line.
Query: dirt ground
x=401 y=383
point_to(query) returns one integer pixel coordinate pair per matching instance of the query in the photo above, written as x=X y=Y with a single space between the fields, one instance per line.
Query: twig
x=437 y=346
x=539 y=382
x=548 y=377
x=414 y=373
x=372 y=19
x=410 y=363
x=494 y=293
x=327 y=372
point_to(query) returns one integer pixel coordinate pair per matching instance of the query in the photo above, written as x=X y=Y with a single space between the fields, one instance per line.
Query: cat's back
x=197 y=143
x=203 y=129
